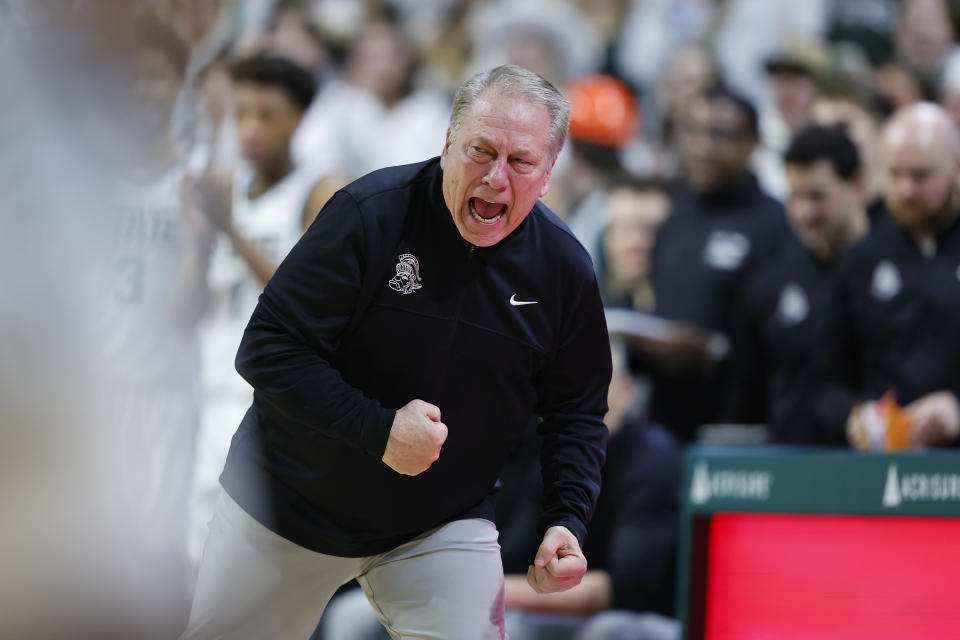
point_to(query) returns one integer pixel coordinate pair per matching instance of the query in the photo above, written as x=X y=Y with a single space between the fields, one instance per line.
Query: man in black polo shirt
x=896 y=320
x=786 y=304
x=721 y=227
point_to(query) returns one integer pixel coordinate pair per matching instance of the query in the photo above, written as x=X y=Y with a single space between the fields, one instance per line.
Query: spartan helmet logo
x=793 y=307
x=407 y=279
x=886 y=281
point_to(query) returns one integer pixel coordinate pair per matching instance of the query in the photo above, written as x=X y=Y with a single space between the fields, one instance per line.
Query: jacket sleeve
x=572 y=400
x=296 y=327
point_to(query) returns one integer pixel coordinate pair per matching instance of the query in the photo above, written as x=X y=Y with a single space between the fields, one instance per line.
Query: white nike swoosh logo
x=517 y=303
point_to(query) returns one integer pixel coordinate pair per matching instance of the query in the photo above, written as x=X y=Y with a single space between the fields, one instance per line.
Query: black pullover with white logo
x=382 y=302
x=781 y=332
x=704 y=254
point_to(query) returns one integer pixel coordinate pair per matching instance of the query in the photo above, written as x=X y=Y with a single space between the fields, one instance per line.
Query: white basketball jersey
x=143 y=341
x=273 y=222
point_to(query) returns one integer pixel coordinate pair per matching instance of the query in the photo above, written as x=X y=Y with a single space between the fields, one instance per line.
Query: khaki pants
x=253 y=583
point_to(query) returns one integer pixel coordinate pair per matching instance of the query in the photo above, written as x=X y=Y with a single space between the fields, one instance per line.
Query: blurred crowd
x=768 y=190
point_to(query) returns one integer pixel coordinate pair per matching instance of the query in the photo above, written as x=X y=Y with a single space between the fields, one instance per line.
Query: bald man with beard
x=896 y=320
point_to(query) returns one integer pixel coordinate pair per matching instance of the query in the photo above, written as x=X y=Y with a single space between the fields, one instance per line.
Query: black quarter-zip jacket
x=383 y=301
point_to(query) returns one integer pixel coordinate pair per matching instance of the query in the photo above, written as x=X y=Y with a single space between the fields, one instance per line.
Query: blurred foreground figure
x=156 y=299
x=98 y=376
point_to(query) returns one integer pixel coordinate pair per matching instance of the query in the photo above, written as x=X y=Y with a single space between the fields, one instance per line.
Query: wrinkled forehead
x=497 y=116
x=495 y=108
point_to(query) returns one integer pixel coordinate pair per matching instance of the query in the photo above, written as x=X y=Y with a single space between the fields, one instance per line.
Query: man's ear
x=446 y=147
x=546 y=180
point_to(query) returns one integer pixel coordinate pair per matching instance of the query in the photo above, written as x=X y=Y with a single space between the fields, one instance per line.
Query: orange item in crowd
x=897 y=436
x=603 y=110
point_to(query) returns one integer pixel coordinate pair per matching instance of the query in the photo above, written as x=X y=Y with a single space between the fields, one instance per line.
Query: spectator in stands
x=293 y=35
x=378 y=116
x=901 y=86
x=949 y=87
x=897 y=301
x=721 y=227
x=785 y=306
x=551 y=37
x=447 y=51
x=924 y=38
x=792 y=72
x=866 y=26
x=635 y=211
x=860 y=112
x=692 y=70
x=603 y=120
x=743 y=33
x=606 y=20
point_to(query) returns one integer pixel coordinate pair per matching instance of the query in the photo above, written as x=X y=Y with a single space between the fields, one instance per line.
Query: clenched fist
x=559 y=564
x=415 y=438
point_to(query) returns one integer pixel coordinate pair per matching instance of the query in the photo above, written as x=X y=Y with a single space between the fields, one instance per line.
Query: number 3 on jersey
x=129 y=286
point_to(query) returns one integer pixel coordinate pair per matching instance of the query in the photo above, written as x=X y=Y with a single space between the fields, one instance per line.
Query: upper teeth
x=481 y=219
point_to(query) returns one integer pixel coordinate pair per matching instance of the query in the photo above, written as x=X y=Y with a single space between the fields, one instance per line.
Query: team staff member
x=396 y=355
x=786 y=305
x=720 y=228
x=897 y=305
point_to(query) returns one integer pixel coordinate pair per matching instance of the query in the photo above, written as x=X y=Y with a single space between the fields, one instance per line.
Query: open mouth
x=486 y=212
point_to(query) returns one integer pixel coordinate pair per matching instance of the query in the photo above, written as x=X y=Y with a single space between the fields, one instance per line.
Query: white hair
x=515 y=81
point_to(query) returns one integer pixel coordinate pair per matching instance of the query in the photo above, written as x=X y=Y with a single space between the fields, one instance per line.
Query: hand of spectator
x=415 y=438
x=684 y=348
x=856 y=433
x=869 y=424
x=192 y=212
x=559 y=564
x=216 y=203
x=935 y=418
